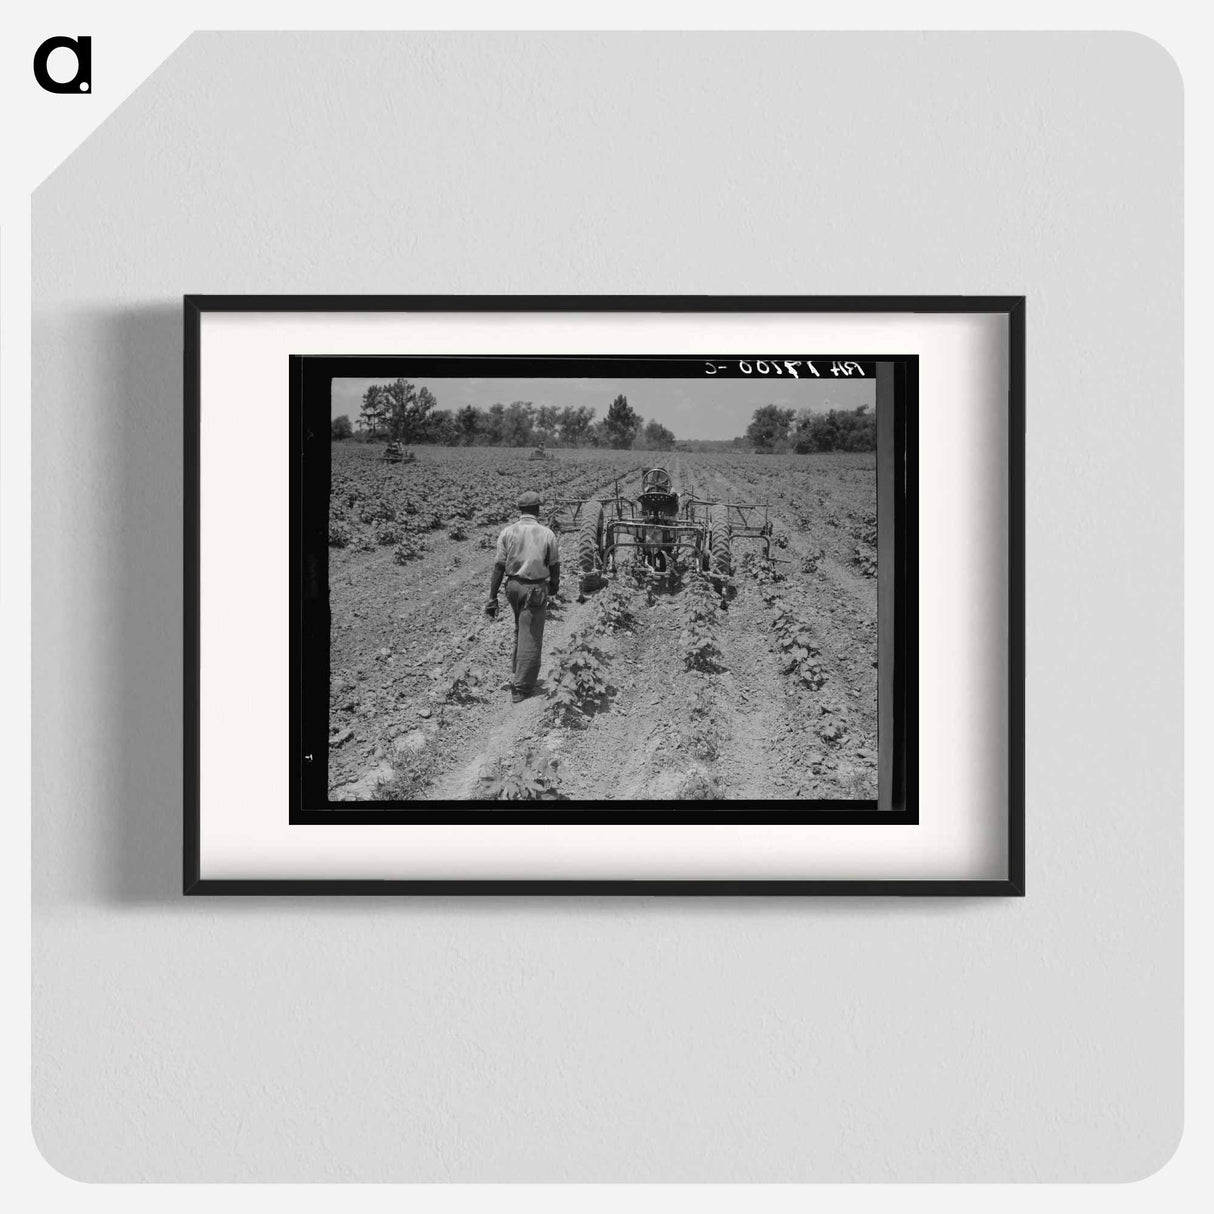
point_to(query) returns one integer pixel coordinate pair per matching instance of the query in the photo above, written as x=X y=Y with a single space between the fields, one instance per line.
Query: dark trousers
x=529 y=601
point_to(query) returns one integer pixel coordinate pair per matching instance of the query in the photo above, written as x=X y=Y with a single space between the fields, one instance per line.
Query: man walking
x=530 y=561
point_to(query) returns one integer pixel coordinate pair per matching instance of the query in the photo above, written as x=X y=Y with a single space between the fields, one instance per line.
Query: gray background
x=1035 y=1039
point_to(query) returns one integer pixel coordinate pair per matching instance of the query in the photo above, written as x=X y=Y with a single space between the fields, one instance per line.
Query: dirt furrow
x=630 y=751
x=750 y=707
x=499 y=728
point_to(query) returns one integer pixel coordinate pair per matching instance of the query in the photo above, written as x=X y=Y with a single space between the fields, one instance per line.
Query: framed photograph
x=604 y=595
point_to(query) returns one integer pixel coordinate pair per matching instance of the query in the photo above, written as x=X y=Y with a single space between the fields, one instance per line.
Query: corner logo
x=82 y=48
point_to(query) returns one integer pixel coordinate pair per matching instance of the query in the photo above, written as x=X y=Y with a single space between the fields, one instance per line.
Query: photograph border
x=1012 y=307
x=897 y=803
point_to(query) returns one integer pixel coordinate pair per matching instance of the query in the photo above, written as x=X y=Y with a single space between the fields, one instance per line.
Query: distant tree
x=817 y=432
x=518 y=423
x=621 y=424
x=467 y=423
x=341 y=428
x=412 y=410
x=373 y=417
x=574 y=425
x=566 y=425
x=494 y=423
x=769 y=427
x=441 y=428
x=657 y=437
x=547 y=421
x=835 y=430
x=399 y=409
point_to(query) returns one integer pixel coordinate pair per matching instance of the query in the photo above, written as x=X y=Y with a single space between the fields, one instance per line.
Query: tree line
x=402 y=412
x=775 y=429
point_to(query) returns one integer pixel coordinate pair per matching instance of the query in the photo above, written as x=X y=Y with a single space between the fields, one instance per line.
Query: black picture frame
x=1012 y=307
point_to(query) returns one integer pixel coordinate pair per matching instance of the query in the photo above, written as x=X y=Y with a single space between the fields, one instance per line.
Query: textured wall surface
x=631 y=1039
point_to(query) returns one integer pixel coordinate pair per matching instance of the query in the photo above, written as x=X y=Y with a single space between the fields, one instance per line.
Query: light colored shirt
x=528 y=549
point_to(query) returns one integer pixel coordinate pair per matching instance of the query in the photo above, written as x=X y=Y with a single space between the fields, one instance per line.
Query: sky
x=692 y=408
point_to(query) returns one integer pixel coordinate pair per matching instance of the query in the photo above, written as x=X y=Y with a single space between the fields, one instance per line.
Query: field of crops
x=680 y=687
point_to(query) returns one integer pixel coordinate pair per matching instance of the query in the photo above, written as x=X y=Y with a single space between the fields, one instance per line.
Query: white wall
x=625 y=1039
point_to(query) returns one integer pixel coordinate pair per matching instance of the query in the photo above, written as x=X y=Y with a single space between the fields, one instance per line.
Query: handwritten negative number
x=772 y=366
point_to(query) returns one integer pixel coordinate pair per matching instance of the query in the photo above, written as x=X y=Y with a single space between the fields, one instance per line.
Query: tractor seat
x=657 y=502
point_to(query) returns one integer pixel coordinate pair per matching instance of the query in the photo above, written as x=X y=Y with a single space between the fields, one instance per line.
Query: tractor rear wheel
x=590 y=541
x=720 y=558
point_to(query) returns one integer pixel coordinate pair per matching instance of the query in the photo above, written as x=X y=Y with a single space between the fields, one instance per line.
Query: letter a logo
x=82 y=81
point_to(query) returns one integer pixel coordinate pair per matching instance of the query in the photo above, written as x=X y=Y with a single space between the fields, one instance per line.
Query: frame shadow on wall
x=141 y=624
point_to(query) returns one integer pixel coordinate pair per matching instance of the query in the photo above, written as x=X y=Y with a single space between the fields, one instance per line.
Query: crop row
x=374 y=503
x=578 y=678
x=793 y=640
x=701 y=614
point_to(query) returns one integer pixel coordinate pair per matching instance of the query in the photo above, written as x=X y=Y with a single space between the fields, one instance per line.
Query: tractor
x=655 y=528
x=395 y=453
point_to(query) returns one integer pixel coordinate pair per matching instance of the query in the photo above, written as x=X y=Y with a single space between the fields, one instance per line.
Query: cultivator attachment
x=567 y=513
x=750 y=521
x=740 y=520
x=655 y=542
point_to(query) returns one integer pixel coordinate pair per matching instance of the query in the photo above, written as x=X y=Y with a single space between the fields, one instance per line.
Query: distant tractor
x=395 y=453
x=655 y=529
x=539 y=453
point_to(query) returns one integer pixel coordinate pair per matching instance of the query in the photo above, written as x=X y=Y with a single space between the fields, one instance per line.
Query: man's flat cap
x=529 y=501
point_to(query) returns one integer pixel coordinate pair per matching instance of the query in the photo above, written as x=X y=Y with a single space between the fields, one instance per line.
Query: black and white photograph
x=599 y=579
